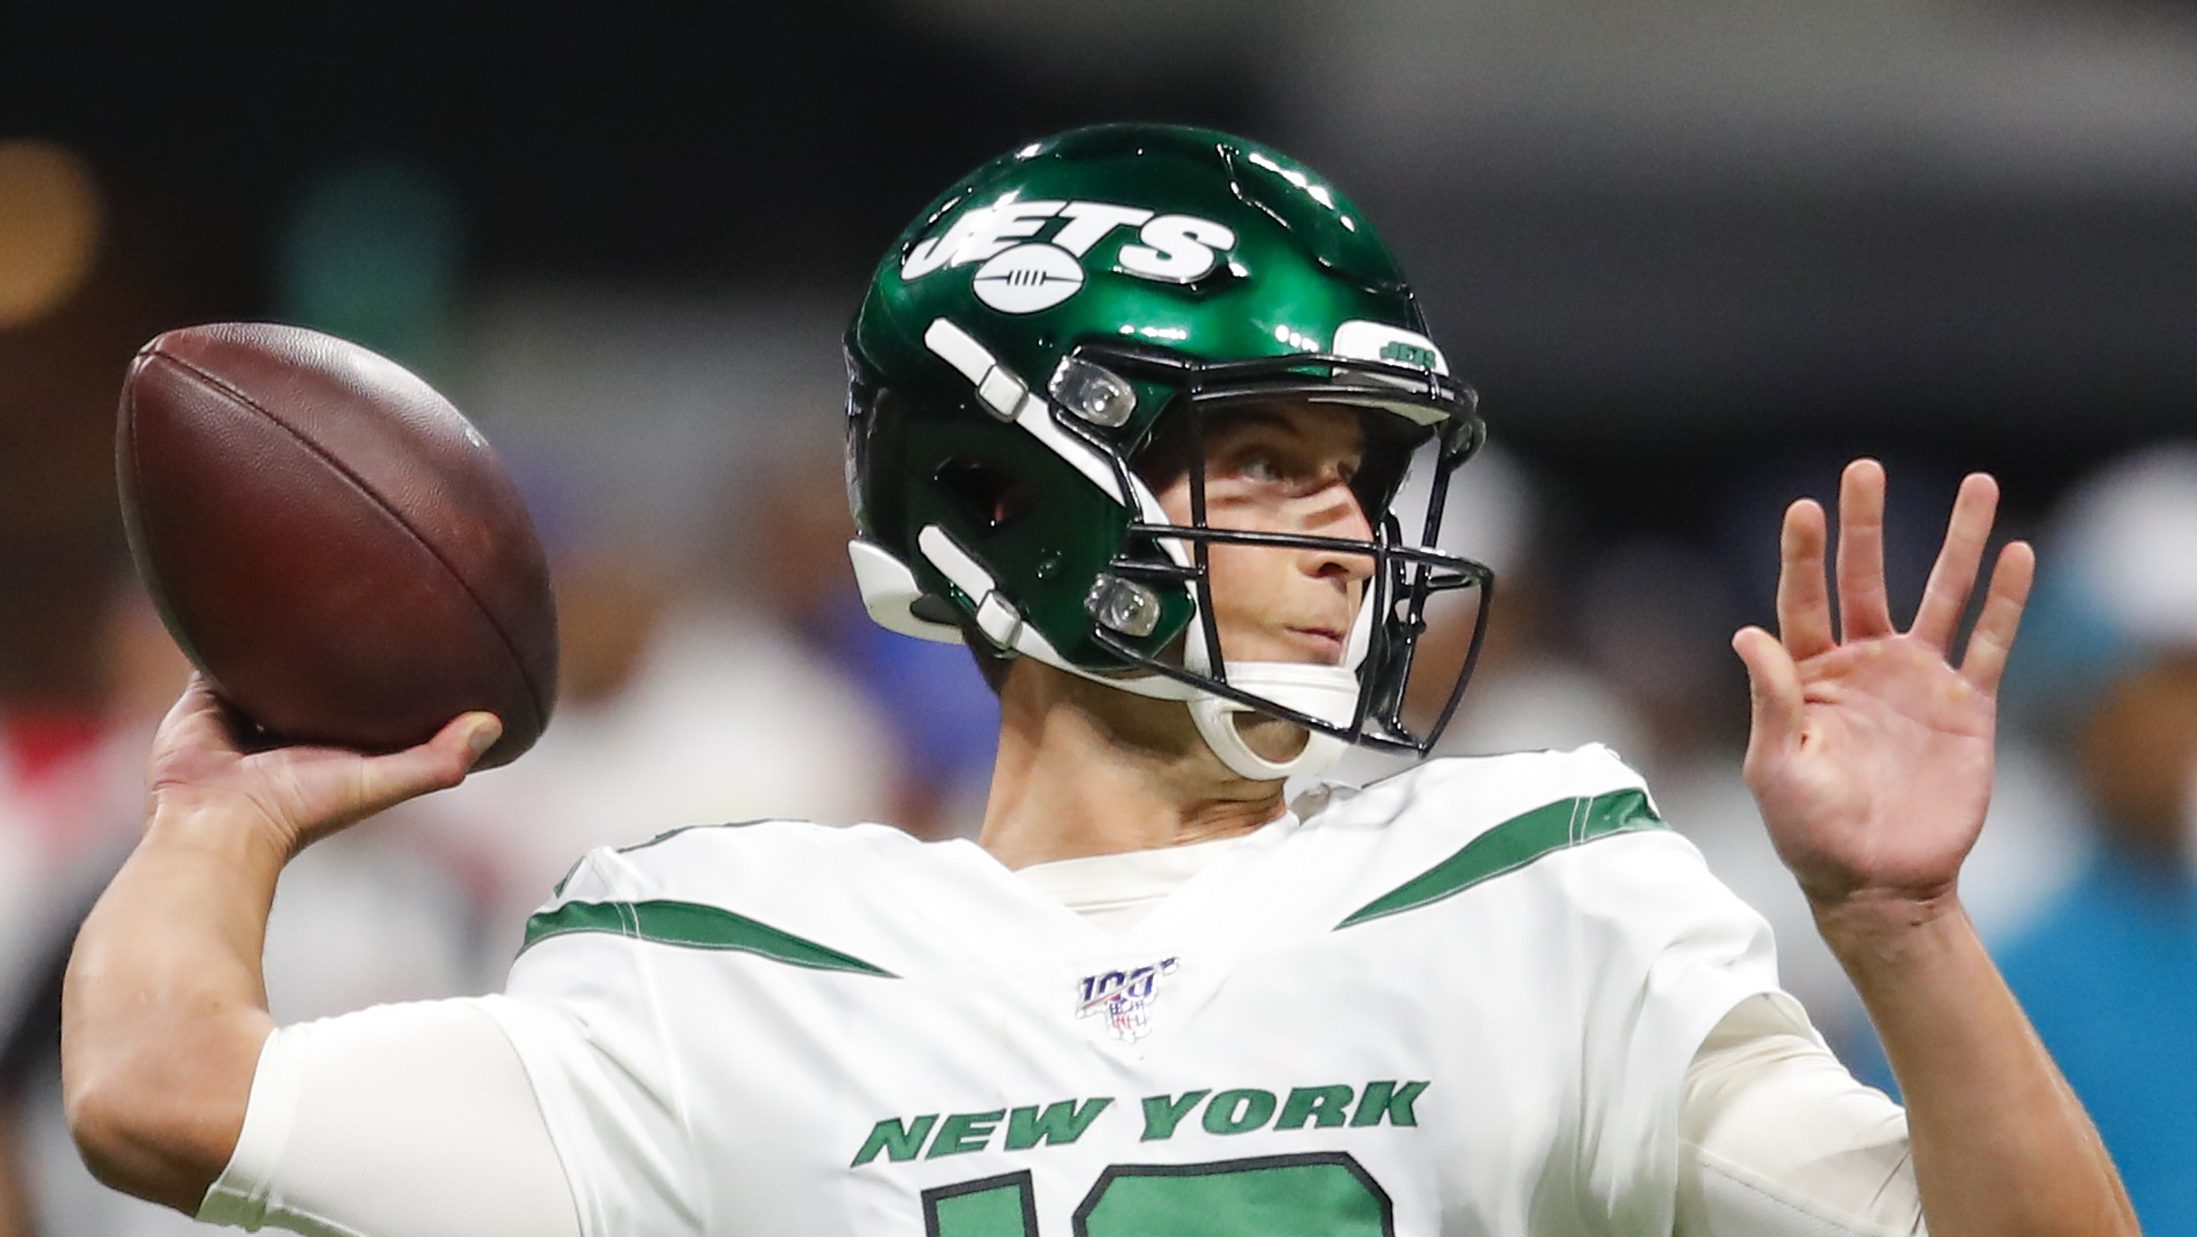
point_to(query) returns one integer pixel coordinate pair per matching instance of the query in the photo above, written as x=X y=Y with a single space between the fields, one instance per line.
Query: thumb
x=1773 y=690
x=438 y=764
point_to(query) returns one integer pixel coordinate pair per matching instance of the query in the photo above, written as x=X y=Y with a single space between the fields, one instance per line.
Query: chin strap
x=1329 y=693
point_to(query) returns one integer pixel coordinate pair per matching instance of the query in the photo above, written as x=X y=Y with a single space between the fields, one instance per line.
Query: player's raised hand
x=1871 y=748
x=296 y=795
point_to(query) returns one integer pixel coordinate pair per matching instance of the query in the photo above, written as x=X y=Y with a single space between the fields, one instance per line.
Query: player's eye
x=1260 y=467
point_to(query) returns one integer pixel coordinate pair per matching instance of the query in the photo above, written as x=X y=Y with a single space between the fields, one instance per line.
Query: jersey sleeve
x=1670 y=951
x=412 y=1118
x=585 y=1012
x=1777 y=1139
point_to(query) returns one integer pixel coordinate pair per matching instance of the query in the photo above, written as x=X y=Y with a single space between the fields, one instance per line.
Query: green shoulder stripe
x=690 y=925
x=1514 y=844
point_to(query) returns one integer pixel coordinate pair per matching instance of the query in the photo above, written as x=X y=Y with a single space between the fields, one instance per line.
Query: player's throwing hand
x=297 y=794
x=1871 y=749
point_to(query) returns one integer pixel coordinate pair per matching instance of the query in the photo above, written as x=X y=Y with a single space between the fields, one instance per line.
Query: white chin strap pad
x=1329 y=693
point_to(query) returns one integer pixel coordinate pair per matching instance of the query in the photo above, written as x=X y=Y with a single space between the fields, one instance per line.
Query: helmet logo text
x=1021 y=273
x=1408 y=353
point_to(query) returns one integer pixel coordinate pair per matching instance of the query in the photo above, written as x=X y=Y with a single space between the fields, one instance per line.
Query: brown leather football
x=334 y=545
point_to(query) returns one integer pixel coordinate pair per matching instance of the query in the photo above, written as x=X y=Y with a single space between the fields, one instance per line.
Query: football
x=332 y=543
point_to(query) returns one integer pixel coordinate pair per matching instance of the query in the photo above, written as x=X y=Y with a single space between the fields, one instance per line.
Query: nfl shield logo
x=1124 y=997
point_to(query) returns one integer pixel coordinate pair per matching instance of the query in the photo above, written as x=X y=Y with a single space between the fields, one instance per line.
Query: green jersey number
x=1323 y=1195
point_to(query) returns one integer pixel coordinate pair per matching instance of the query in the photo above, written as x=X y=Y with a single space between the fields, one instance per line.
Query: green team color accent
x=978 y=1208
x=1062 y=1123
x=1239 y=1111
x=690 y=925
x=1162 y=1113
x=1325 y=1107
x=1514 y=844
x=896 y=1140
x=964 y=1132
x=1325 y=1195
x=1244 y=1198
x=1385 y=1101
x=1029 y=1126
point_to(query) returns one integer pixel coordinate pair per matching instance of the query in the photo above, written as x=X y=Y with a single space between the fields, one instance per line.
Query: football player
x=1128 y=412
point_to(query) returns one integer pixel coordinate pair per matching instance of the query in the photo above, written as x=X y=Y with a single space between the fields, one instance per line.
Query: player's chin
x=1290 y=647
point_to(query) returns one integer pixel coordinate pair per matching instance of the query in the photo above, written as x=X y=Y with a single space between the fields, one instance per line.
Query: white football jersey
x=1459 y=1001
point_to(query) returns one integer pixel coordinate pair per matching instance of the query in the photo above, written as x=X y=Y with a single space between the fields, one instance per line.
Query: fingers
x=1864 y=612
x=196 y=709
x=1773 y=690
x=1993 y=639
x=198 y=733
x=1803 y=598
x=1953 y=577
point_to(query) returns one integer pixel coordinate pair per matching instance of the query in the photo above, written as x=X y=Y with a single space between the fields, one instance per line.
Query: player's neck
x=1084 y=770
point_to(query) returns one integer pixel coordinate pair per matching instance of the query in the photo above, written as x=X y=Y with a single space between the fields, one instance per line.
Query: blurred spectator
x=1529 y=689
x=2107 y=968
x=943 y=720
x=675 y=707
x=641 y=424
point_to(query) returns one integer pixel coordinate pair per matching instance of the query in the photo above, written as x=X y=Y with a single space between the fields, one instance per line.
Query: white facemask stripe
x=1003 y=624
x=1010 y=398
x=1326 y=692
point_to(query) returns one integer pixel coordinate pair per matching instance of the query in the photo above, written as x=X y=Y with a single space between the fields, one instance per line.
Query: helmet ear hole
x=986 y=495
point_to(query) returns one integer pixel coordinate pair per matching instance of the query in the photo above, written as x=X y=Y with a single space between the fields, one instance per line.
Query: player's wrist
x=230 y=831
x=1878 y=929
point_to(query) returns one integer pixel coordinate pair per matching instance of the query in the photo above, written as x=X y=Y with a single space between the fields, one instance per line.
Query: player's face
x=1282 y=468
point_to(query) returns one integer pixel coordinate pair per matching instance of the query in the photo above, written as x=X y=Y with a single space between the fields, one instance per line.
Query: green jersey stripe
x=690 y=925
x=1514 y=844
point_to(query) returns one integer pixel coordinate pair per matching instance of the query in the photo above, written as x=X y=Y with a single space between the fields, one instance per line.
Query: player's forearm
x=164 y=1007
x=2001 y=1145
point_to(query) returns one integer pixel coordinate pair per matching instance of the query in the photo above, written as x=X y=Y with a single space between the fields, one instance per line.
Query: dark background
x=1688 y=258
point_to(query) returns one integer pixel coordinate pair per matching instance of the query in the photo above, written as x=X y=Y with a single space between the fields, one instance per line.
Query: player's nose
x=1339 y=515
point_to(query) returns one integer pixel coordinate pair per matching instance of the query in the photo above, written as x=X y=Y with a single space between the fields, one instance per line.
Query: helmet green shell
x=1176 y=255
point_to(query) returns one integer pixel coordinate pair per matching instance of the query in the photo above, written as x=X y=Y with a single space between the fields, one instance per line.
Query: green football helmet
x=1065 y=306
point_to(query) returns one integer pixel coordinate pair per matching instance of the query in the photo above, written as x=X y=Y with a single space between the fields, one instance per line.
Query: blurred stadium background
x=1694 y=256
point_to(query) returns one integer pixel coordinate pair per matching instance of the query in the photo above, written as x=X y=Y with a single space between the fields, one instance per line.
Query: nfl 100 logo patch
x=1124 y=997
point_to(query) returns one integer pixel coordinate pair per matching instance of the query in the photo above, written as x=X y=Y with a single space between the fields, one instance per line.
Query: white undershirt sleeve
x=413 y=1119
x=1778 y=1139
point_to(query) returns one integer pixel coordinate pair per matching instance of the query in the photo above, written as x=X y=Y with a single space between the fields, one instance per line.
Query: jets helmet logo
x=1027 y=278
x=1022 y=272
